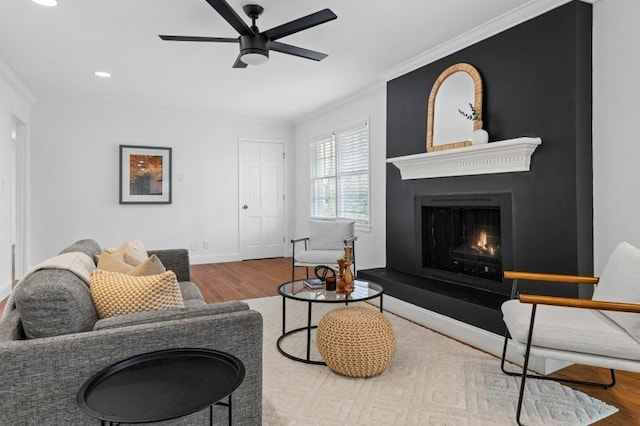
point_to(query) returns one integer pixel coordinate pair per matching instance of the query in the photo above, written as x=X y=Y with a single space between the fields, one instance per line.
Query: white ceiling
x=55 y=51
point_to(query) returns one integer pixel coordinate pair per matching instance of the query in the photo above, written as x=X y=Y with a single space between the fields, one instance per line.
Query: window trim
x=355 y=124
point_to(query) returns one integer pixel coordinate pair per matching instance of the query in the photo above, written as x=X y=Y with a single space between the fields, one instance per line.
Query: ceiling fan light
x=254 y=58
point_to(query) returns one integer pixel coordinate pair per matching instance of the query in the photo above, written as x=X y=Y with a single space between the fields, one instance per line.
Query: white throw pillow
x=329 y=234
x=620 y=282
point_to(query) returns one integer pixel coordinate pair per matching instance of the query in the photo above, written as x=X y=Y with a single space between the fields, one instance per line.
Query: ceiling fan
x=255 y=45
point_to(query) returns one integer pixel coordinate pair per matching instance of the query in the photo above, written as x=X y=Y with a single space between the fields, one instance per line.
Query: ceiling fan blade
x=230 y=15
x=300 y=24
x=238 y=63
x=297 y=51
x=191 y=38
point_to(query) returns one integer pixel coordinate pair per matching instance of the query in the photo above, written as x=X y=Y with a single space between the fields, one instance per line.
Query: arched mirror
x=450 y=121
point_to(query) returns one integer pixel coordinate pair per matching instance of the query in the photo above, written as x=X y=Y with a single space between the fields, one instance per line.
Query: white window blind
x=340 y=174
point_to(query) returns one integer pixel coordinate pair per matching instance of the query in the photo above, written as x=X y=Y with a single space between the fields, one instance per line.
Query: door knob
x=245 y=207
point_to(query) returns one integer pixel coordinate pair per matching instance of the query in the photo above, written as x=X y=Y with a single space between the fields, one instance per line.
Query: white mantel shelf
x=512 y=155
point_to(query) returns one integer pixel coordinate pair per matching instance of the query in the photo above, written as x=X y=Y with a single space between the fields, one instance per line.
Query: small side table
x=162 y=385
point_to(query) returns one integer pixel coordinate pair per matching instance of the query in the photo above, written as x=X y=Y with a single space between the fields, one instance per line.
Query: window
x=340 y=174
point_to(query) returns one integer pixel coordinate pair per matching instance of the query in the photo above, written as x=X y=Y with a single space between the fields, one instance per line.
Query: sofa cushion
x=620 y=282
x=117 y=294
x=176 y=314
x=54 y=302
x=329 y=234
x=570 y=329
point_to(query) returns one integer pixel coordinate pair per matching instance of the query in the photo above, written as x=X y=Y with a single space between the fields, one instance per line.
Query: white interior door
x=261 y=199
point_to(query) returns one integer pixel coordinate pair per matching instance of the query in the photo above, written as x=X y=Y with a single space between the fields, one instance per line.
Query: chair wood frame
x=536 y=300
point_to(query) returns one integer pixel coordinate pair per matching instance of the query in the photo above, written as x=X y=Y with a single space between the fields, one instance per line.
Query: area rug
x=432 y=380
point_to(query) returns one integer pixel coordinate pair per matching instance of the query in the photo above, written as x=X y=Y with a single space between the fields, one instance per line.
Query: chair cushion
x=570 y=329
x=620 y=282
x=320 y=257
x=329 y=234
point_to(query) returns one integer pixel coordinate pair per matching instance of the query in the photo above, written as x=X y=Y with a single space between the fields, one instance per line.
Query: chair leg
x=526 y=364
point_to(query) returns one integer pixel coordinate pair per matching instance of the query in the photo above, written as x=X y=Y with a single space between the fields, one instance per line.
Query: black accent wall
x=537 y=82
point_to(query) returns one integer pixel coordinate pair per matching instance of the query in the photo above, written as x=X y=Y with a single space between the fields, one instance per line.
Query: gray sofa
x=40 y=376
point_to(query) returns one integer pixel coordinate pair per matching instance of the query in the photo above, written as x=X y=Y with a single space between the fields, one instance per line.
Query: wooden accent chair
x=324 y=245
x=602 y=332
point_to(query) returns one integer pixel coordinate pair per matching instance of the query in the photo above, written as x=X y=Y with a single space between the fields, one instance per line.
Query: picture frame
x=145 y=175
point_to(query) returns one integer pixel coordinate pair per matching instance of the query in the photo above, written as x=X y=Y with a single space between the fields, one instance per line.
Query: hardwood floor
x=260 y=278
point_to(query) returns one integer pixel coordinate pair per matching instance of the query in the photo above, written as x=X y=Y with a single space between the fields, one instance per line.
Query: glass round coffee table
x=298 y=290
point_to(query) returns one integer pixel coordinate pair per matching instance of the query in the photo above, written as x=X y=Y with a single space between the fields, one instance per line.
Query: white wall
x=74 y=177
x=13 y=105
x=616 y=148
x=370 y=247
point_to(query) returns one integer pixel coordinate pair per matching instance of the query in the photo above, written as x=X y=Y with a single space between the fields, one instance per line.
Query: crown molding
x=494 y=26
x=12 y=79
x=369 y=90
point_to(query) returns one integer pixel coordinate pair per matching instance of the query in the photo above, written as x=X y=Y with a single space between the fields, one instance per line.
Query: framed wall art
x=145 y=175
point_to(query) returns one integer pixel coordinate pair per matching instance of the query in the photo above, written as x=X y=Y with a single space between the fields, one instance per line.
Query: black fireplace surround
x=537 y=82
x=464 y=239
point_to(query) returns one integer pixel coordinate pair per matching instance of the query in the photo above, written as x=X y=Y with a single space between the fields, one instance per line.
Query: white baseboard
x=5 y=289
x=469 y=334
x=198 y=259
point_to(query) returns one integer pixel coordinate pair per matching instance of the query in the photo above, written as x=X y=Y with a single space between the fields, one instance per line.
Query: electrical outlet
x=180 y=177
x=206 y=244
x=193 y=246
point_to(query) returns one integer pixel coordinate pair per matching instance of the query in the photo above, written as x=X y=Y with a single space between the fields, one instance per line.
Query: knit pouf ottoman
x=356 y=341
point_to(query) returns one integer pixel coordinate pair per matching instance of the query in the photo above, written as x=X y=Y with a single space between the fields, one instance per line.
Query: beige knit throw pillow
x=118 y=294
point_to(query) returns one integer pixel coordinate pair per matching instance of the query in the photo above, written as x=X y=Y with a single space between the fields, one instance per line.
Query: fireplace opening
x=465 y=240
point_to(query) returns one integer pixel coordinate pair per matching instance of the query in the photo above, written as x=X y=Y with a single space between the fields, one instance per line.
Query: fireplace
x=465 y=240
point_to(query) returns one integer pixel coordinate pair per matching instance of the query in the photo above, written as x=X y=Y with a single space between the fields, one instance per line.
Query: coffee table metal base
x=308 y=329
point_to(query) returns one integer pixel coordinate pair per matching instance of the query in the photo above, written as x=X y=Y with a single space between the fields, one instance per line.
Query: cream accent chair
x=324 y=245
x=602 y=332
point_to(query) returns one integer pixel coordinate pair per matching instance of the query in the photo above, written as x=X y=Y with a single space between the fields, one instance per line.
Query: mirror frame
x=477 y=82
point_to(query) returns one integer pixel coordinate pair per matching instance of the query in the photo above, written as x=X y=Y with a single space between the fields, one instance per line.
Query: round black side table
x=162 y=385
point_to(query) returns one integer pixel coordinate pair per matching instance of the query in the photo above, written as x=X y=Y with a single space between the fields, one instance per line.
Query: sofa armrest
x=148 y=317
x=41 y=377
x=11 y=326
x=176 y=260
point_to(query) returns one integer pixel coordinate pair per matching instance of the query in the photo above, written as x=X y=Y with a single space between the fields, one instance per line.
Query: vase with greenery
x=480 y=136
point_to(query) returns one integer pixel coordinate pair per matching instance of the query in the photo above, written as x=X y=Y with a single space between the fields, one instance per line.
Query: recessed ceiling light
x=48 y=3
x=102 y=74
